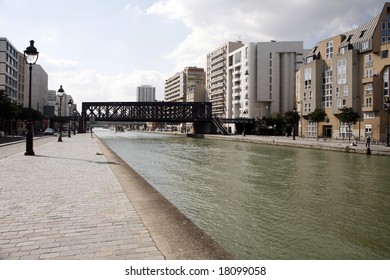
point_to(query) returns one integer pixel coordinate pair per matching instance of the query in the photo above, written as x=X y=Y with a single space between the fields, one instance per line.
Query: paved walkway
x=66 y=203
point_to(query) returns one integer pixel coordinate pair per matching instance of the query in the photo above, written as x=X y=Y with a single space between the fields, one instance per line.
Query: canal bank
x=308 y=143
x=267 y=201
x=176 y=236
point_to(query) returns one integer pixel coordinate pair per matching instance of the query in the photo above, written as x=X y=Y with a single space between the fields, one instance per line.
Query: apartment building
x=217 y=78
x=146 y=93
x=261 y=78
x=186 y=86
x=39 y=88
x=9 y=61
x=348 y=70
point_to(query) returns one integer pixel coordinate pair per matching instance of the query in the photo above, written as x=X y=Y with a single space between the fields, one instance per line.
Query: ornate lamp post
x=60 y=94
x=31 y=56
x=70 y=103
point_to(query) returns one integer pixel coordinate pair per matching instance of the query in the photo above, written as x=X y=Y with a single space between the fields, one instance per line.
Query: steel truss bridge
x=198 y=113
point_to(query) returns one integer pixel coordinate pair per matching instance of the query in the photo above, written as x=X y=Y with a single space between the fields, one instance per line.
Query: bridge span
x=198 y=113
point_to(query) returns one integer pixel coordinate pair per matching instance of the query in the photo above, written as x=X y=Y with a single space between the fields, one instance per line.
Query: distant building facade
x=186 y=86
x=348 y=70
x=9 y=70
x=146 y=93
x=39 y=88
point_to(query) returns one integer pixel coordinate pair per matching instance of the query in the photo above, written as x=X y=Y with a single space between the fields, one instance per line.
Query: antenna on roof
x=239 y=39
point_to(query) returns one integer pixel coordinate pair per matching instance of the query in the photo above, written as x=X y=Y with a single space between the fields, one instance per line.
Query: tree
x=349 y=116
x=274 y=120
x=317 y=116
x=291 y=119
x=8 y=110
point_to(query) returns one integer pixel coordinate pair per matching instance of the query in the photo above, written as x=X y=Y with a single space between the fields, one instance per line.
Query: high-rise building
x=9 y=61
x=146 y=93
x=261 y=78
x=39 y=88
x=186 y=86
x=351 y=69
x=217 y=78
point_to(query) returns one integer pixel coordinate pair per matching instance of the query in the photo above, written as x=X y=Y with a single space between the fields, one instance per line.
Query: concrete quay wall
x=327 y=145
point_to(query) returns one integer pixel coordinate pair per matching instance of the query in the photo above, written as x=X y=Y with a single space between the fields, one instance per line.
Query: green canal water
x=268 y=202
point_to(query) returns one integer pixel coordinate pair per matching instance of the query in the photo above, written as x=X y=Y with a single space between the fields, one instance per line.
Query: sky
x=101 y=50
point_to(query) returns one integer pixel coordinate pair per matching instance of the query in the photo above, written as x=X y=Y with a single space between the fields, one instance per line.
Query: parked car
x=49 y=131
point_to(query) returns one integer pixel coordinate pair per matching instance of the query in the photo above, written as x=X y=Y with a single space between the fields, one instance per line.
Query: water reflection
x=266 y=202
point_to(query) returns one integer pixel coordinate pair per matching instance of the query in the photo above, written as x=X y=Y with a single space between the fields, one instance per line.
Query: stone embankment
x=306 y=143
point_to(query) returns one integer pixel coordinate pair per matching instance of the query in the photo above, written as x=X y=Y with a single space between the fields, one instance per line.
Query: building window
x=368 y=60
x=307 y=107
x=307 y=77
x=327 y=88
x=341 y=103
x=368 y=89
x=386 y=81
x=346 y=90
x=329 y=50
x=344 y=131
x=368 y=115
x=368 y=102
x=342 y=72
x=311 y=129
x=365 y=46
x=385 y=30
x=368 y=73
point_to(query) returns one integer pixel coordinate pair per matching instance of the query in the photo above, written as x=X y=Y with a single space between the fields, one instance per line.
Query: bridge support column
x=204 y=128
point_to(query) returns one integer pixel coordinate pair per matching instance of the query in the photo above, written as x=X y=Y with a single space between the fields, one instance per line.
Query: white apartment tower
x=217 y=78
x=261 y=78
x=146 y=93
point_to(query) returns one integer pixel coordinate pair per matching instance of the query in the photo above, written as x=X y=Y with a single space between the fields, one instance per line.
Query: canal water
x=268 y=202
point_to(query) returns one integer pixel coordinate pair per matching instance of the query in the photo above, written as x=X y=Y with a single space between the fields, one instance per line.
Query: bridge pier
x=204 y=128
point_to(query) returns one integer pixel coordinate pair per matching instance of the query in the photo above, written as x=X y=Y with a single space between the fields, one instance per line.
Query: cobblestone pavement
x=66 y=203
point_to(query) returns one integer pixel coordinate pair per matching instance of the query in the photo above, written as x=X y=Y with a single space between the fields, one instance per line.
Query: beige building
x=186 y=86
x=348 y=70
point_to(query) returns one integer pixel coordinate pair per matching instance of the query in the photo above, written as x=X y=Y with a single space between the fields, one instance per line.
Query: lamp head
x=31 y=54
x=61 y=91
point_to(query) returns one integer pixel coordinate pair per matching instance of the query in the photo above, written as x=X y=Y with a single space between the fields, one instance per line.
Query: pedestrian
x=368 y=141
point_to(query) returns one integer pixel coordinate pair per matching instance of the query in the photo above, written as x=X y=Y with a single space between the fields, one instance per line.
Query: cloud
x=86 y=85
x=212 y=23
x=134 y=9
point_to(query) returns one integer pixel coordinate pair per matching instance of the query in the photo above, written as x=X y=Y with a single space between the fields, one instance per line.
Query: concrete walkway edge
x=175 y=235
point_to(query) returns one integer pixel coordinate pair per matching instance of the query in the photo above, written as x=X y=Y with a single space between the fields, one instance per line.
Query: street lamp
x=294 y=111
x=70 y=103
x=31 y=56
x=60 y=94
